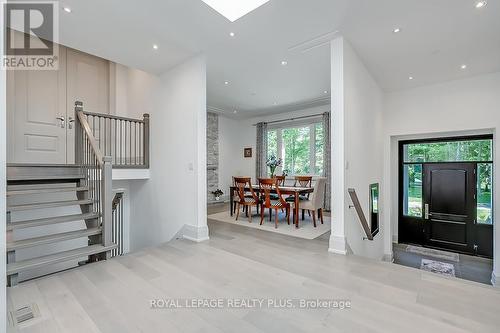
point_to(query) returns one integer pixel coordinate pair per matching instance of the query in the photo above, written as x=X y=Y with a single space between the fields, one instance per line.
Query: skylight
x=233 y=10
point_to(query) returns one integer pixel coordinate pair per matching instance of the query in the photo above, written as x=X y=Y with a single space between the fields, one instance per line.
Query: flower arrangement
x=217 y=193
x=273 y=162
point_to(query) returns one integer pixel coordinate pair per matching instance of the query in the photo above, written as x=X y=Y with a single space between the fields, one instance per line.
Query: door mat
x=433 y=253
x=438 y=267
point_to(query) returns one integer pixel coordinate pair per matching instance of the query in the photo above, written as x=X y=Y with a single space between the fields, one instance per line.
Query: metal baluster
x=135 y=143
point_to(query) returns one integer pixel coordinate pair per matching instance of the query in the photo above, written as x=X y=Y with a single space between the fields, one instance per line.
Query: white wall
x=175 y=196
x=356 y=128
x=234 y=136
x=363 y=100
x=452 y=108
x=237 y=134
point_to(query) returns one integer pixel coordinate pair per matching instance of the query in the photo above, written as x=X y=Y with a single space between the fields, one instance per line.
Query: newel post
x=107 y=202
x=146 y=139
x=78 y=134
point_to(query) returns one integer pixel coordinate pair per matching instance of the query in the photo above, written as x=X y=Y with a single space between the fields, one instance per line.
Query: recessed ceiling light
x=231 y=34
x=235 y=111
x=463 y=66
x=284 y=63
x=396 y=30
x=233 y=10
x=410 y=78
x=326 y=91
x=155 y=47
x=67 y=9
x=226 y=82
x=275 y=103
x=481 y=4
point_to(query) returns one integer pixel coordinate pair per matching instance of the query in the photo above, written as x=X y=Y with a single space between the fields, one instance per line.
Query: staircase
x=33 y=186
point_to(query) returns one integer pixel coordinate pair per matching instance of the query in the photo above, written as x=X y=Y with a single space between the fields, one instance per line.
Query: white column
x=338 y=242
x=198 y=231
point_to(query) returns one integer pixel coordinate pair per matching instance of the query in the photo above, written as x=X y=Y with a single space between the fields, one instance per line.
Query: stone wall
x=212 y=154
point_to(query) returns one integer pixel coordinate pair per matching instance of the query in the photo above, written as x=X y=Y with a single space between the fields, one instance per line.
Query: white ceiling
x=436 y=38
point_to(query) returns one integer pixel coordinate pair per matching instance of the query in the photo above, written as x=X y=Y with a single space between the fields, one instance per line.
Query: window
x=449 y=151
x=478 y=151
x=412 y=187
x=300 y=147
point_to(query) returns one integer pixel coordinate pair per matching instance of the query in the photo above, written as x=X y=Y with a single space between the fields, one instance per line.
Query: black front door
x=449 y=206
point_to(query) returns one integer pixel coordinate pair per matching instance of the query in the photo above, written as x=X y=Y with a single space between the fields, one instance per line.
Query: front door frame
x=418 y=223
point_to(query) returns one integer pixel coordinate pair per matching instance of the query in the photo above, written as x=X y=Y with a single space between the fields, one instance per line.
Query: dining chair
x=266 y=185
x=301 y=181
x=236 y=197
x=247 y=198
x=280 y=181
x=316 y=200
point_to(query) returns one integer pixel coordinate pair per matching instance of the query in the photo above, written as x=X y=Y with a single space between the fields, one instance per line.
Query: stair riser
x=30 y=264
x=48 y=205
x=50 y=221
x=32 y=172
x=54 y=239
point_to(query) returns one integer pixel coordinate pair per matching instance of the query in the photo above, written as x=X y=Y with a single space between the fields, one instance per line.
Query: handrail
x=361 y=215
x=125 y=139
x=86 y=127
x=97 y=168
x=111 y=116
x=118 y=223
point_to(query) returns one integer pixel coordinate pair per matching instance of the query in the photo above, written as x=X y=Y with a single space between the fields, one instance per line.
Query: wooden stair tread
x=53 y=204
x=55 y=177
x=47 y=190
x=30 y=242
x=50 y=220
x=34 y=263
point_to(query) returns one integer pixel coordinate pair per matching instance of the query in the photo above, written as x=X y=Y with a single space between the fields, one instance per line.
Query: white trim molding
x=338 y=245
x=194 y=233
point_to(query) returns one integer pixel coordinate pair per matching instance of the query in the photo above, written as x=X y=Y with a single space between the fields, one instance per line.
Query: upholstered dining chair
x=247 y=198
x=266 y=185
x=316 y=200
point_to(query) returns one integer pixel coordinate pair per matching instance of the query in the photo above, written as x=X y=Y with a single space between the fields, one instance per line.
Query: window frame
x=311 y=123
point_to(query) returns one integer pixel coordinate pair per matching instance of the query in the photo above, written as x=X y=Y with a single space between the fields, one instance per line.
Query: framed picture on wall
x=247 y=152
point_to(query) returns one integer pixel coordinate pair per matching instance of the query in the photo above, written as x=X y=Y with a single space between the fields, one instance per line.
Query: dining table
x=294 y=191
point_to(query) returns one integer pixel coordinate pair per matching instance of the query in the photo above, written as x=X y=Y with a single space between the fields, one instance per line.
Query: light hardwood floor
x=238 y=262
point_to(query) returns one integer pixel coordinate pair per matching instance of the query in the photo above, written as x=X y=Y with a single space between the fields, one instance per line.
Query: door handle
x=426 y=211
x=70 y=122
x=61 y=118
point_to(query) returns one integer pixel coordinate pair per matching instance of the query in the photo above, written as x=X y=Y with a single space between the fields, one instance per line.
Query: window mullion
x=312 y=149
x=279 y=140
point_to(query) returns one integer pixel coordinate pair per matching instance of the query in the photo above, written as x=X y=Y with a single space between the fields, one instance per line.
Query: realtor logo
x=31 y=35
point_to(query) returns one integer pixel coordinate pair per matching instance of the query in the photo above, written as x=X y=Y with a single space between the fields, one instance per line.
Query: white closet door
x=88 y=82
x=35 y=99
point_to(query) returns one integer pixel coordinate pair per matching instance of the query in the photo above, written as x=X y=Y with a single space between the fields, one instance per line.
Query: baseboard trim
x=337 y=251
x=495 y=280
x=388 y=257
x=195 y=234
x=338 y=245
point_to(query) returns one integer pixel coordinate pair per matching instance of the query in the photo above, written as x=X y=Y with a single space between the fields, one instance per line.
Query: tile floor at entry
x=470 y=268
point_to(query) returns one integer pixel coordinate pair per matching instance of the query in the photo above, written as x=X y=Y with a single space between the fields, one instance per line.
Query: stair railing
x=117 y=225
x=362 y=219
x=98 y=171
x=125 y=139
